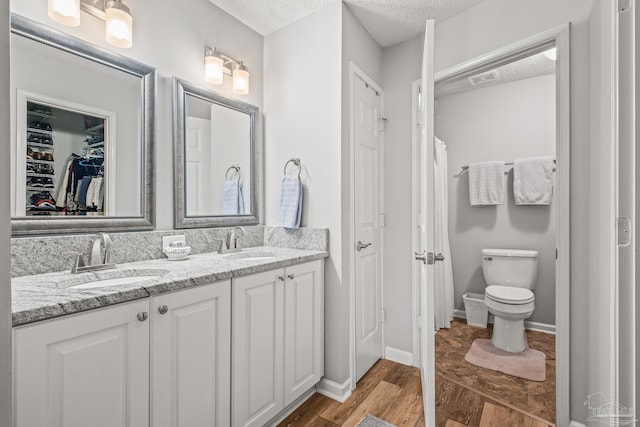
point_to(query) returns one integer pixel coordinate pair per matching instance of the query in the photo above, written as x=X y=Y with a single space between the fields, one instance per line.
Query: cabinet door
x=191 y=350
x=304 y=329
x=89 y=369
x=257 y=348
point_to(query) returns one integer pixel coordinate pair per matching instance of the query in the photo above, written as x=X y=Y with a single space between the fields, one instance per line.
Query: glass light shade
x=241 y=80
x=213 y=69
x=65 y=12
x=119 y=25
x=551 y=53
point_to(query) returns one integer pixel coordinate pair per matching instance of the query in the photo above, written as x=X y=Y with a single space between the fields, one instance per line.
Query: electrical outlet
x=167 y=240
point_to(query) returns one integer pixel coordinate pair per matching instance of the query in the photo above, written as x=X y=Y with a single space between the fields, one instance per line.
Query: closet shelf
x=40 y=131
x=46 y=162
x=39 y=145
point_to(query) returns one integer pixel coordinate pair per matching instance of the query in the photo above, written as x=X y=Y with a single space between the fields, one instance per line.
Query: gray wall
x=171 y=38
x=5 y=224
x=502 y=122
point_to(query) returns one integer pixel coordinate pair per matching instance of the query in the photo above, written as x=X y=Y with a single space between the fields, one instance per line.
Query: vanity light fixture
x=118 y=19
x=65 y=12
x=216 y=65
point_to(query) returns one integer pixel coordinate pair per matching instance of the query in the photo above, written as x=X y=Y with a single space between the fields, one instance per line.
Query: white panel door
x=191 y=357
x=426 y=229
x=198 y=155
x=257 y=348
x=304 y=328
x=368 y=235
x=90 y=369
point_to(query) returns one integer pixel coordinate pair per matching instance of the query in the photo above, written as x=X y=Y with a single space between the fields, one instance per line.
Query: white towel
x=290 y=202
x=486 y=183
x=533 y=180
x=232 y=197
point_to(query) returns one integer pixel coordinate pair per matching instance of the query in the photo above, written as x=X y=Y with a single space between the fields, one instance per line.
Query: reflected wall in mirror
x=215 y=159
x=82 y=122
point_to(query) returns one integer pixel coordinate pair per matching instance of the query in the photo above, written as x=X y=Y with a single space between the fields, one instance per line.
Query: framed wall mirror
x=82 y=132
x=216 y=160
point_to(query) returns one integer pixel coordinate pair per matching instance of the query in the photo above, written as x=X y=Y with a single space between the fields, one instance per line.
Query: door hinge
x=383 y=315
x=381 y=220
x=624 y=231
x=556 y=253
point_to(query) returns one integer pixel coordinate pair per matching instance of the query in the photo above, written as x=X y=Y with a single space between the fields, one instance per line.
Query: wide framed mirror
x=82 y=126
x=216 y=160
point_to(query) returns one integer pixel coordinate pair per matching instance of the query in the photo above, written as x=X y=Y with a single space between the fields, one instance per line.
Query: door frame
x=357 y=72
x=560 y=36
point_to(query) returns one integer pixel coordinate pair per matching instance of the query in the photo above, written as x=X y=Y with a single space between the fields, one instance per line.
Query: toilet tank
x=510 y=267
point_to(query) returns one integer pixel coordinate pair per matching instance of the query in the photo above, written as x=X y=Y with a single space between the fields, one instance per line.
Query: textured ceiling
x=526 y=68
x=388 y=21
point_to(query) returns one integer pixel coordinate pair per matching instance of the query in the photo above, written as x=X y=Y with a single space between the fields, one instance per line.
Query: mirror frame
x=146 y=221
x=181 y=89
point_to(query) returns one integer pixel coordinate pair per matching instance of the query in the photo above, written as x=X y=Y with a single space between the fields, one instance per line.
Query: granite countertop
x=46 y=296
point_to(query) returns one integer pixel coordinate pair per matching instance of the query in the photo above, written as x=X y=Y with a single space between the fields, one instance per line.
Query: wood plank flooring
x=466 y=396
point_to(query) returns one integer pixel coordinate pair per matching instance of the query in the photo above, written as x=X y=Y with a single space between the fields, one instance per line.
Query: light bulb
x=241 y=80
x=213 y=69
x=119 y=24
x=65 y=12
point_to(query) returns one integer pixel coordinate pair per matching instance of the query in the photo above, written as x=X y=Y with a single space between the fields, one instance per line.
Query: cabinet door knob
x=291 y=276
x=281 y=278
x=143 y=316
x=163 y=309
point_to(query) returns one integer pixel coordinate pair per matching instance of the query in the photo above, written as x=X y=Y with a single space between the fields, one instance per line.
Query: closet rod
x=466 y=167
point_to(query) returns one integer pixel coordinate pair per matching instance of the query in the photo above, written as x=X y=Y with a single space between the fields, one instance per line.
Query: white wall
x=488 y=26
x=303 y=119
x=5 y=224
x=401 y=65
x=171 y=38
x=502 y=122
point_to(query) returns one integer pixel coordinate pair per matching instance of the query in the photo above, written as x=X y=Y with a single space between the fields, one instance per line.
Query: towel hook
x=295 y=161
x=234 y=167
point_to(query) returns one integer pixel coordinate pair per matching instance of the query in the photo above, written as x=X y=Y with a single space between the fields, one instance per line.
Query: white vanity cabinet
x=278 y=340
x=190 y=357
x=88 y=369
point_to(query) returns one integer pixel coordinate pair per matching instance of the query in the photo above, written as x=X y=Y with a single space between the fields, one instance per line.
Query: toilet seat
x=509 y=295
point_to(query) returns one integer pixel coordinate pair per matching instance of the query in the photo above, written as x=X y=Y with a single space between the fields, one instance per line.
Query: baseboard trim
x=398 y=356
x=530 y=326
x=576 y=424
x=333 y=390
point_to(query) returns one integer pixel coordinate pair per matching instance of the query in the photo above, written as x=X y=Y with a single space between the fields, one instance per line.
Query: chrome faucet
x=231 y=243
x=100 y=257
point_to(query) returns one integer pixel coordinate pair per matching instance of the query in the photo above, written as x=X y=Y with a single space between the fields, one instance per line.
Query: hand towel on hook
x=290 y=202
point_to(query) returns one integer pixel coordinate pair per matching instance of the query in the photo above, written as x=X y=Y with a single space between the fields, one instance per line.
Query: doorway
x=556 y=262
x=366 y=127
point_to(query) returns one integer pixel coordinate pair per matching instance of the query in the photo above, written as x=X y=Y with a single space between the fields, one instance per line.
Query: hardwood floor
x=466 y=396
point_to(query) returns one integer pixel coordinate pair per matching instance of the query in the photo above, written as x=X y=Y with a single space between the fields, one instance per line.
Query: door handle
x=429 y=258
x=360 y=246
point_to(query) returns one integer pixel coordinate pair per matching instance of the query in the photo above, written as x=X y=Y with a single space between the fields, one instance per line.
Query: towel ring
x=232 y=167
x=296 y=162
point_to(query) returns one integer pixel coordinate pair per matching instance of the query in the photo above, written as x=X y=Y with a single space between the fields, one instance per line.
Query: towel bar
x=234 y=167
x=466 y=167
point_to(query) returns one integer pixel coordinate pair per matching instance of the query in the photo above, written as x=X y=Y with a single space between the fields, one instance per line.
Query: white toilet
x=511 y=276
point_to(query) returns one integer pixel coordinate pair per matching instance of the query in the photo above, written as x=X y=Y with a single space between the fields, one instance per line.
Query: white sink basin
x=101 y=279
x=250 y=256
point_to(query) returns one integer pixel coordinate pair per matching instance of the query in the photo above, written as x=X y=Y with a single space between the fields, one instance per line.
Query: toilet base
x=509 y=335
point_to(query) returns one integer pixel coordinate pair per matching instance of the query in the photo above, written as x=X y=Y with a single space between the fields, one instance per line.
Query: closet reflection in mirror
x=218 y=159
x=64 y=150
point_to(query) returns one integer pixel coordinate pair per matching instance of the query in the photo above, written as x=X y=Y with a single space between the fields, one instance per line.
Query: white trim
x=560 y=35
x=354 y=71
x=399 y=356
x=415 y=208
x=576 y=424
x=333 y=390
x=528 y=325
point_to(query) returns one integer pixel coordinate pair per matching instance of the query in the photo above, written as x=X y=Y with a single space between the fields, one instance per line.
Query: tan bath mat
x=530 y=364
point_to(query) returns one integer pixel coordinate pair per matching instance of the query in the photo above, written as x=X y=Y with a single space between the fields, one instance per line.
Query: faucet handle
x=78 y=261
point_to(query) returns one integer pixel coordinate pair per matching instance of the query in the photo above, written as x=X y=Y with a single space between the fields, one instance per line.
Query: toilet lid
x=509 y=295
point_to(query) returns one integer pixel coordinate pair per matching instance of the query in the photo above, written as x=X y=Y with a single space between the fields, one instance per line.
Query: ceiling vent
x=483 y=78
